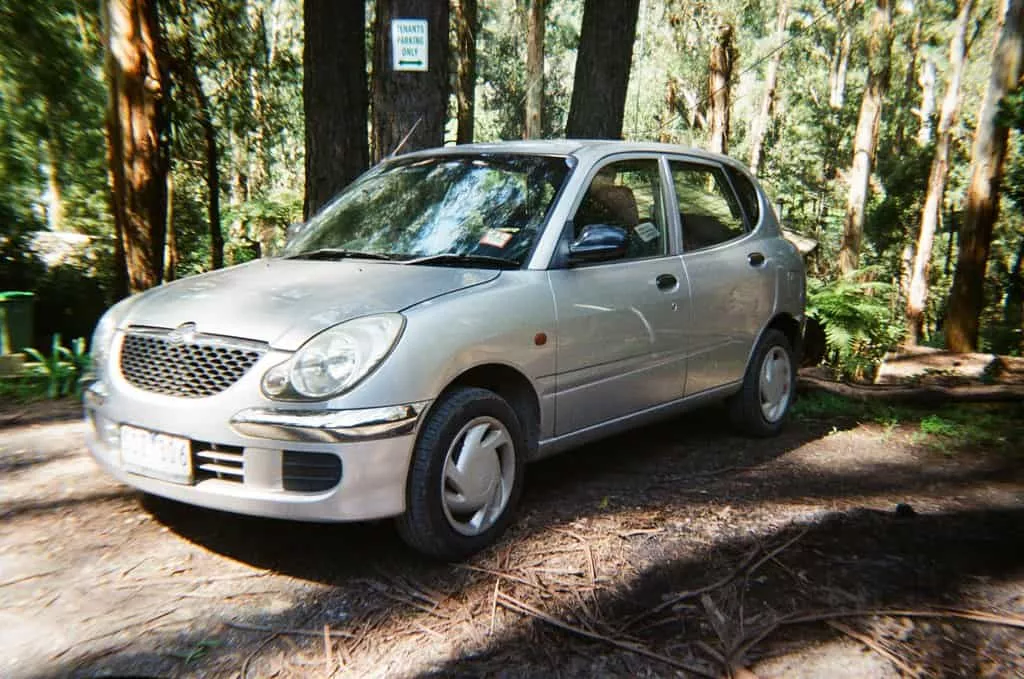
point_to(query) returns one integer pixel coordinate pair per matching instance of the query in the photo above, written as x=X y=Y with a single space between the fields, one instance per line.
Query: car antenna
x=406 y=137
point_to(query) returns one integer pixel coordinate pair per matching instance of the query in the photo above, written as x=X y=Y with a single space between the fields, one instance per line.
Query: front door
x=621 y=323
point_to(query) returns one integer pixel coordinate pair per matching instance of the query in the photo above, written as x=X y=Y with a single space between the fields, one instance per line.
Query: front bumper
x=374 y=447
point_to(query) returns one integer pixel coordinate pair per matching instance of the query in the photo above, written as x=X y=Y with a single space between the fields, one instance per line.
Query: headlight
x=336 y=359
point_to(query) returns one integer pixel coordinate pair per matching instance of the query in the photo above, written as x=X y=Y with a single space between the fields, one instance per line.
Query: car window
x=627 y=194
x=747 y=193
x=708 y=209
x=483 y=205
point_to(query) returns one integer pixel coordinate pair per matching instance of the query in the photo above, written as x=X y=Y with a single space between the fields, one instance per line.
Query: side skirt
x=558 y=444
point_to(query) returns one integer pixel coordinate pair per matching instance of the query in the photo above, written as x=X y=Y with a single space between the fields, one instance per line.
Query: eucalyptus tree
x=137 y=135
x=409 y=107
x=335 y=95
x=988 y=153
x=602 y=69
x=466 y=18
x=534 y=69
x=866 y=137
x=918 y=290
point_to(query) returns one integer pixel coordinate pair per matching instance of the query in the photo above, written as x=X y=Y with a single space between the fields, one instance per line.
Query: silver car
x=449 y=317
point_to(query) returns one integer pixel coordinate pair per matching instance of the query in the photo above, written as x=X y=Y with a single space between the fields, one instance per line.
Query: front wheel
x=762 y=403
x=466 y=475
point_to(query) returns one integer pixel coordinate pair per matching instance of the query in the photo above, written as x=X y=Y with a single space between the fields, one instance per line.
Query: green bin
x=16 y=321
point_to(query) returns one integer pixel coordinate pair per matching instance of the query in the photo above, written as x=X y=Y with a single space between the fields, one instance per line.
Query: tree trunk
x=866 y=137
x=1013 y=308
x=204 y=115
x=335 y=97
x=903 y=101
x=602 y=69
x=410 y=105
x=917 y=297
x=137 y=129
x=723 y=55
x=55 y=205
x=988 y=153
x=171 y=249
x=928 y=79
x=840 y=63
x=535 y=70
x=467 y=26
x=764 y=116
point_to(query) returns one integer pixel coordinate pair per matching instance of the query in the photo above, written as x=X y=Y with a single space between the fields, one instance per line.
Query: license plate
x=160 y=456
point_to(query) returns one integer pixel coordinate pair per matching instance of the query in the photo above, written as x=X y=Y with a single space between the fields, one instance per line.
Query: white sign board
x=409 y=44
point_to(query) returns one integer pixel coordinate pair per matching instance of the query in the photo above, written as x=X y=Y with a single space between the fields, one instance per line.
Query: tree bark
x=928 y=79
x=723 y=55
x=764 y=115
x=1013 y=308
x=602 y=69
x=840 y=62
x=410 y=105
x=171 y=249
x=866 y=137
x=334 y=94
x=467 y=26
x=966 y=299
x=917 y=297
x=535 y=70
x=137 y=134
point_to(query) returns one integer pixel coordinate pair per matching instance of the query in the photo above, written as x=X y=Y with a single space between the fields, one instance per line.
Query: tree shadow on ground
x=863 y=557
x=860 y=560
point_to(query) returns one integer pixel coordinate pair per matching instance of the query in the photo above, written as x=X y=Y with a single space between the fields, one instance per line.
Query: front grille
x=310 y=472
x=212 y=461
x=152 y=360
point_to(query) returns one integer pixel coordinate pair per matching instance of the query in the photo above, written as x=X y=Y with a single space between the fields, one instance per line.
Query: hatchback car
x=450 y=316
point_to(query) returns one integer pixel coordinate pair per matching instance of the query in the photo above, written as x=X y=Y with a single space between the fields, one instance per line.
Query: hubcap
x=776 y=384
x=479 y=472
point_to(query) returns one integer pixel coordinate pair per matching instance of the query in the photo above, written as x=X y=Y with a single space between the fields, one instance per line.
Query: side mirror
x=599 y=242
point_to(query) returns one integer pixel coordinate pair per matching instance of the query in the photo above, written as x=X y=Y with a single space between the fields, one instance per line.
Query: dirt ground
x=842 y=548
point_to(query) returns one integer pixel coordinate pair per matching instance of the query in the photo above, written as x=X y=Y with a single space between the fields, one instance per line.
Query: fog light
x=106 y=431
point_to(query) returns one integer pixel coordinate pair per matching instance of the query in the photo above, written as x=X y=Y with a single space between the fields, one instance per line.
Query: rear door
x=732 y=283
x=621 y=323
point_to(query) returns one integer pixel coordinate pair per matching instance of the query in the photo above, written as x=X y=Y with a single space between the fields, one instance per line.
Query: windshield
x=476 y=206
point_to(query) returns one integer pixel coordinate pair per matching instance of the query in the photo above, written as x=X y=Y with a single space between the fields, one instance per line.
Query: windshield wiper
x=338 y=253
x=453 y=259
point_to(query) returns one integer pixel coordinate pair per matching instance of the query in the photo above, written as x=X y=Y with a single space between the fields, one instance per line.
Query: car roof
x=588 y=149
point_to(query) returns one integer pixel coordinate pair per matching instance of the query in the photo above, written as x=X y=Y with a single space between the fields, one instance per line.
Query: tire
x=762 y=403
x=466 y=475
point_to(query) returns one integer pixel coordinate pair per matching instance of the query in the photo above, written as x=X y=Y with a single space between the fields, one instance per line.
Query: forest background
x=147 y=140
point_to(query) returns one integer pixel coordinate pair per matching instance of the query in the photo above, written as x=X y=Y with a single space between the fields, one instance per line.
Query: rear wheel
x=466 y=475
x=761 y=405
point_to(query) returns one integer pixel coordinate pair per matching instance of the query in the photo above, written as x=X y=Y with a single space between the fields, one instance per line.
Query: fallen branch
x=525 y=609
x=873 y=645
x=289 y=632
x=747 y=566
x=926 y=394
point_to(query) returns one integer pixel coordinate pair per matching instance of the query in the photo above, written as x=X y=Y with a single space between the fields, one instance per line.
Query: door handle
x=755 y=259
x=666 y=281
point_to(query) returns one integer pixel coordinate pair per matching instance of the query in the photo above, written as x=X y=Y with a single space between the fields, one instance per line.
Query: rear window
x=747 y=194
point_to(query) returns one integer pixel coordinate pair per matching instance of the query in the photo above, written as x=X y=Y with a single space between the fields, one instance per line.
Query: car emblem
x=186 y=332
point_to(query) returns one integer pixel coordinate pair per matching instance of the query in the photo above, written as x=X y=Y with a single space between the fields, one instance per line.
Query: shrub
x=858 y=325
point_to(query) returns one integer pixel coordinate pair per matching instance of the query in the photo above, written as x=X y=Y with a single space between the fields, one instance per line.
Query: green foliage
x=61 y=370
x=858 y=323
x=952 y=428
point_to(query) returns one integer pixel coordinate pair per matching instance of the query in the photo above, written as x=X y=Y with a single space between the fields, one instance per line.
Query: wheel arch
x=789 y=326
x=513 y=386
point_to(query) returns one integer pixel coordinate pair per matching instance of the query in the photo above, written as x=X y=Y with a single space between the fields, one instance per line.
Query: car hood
x=284 y=302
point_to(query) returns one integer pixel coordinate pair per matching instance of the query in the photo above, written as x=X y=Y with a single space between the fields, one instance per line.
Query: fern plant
x=859 y=327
